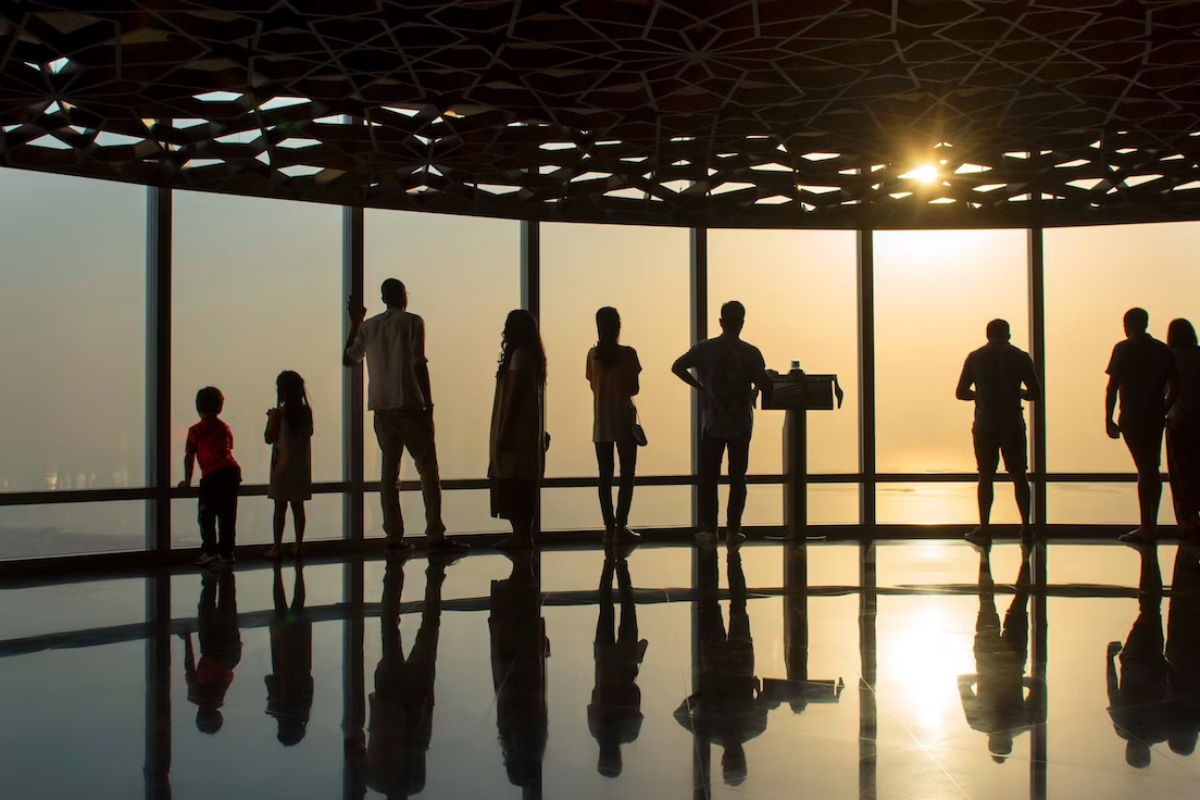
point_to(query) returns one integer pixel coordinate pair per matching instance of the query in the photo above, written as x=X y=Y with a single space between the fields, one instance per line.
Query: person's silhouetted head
x=733 y=765
x=521 y=331
x=1000 y=745
x=394 y=294
x=609 y=764
x=1136 y=321
x=1180 y=333
x=998 y=331
x=209 y=401
x=733 y=317
x=1183 y=743
x=291 y=730
x=209 y=719
x=1137 y=754
x=608 y=331
x=293 y=398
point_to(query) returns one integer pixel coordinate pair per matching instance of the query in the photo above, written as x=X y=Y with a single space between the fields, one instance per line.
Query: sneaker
x=622 y=534
x=1137 y=537
x=206 y=559
x=978 y=536
x=229 y=560
x=734 y=539
x=398 y=545
x=706 y=538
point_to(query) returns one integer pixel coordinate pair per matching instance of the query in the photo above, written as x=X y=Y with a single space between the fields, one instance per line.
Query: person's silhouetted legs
x=627 y=454
x=604 y=460
x=392 y=449
x=739 y=463
x=1024 y=498
x=711 y=452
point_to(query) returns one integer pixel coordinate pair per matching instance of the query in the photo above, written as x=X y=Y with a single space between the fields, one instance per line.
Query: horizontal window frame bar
x=470 y=484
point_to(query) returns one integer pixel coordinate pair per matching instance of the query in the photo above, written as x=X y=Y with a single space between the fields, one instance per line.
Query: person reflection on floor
x=1183 y=650
x=615 y=713
x=401 y=724
x=519 y=652
x=290 y=684
x=220 y=649
x=1137 y=701
x=994 y=699
x=730 y=708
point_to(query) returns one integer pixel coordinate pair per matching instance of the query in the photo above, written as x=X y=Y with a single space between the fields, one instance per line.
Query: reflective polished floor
x=834 y=670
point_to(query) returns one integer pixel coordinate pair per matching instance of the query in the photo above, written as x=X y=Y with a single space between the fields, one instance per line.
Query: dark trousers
x=218 y=510
x=627 y=453
x=711 y=452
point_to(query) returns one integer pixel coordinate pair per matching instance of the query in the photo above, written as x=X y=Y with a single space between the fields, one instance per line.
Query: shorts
x=1145 y=444
x=990 y=445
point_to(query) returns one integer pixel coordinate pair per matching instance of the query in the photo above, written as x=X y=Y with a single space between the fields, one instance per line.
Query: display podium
x=796 y=393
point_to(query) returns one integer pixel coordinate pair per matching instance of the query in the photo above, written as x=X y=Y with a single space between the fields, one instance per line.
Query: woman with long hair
x=1183 y=426
x=612 y=370
x=518 y=439
x=289 y=432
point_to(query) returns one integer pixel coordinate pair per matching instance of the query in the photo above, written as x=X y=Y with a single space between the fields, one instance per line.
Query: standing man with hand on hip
x=728 y=374
x=1002 y=376
x=1139 y=371
x=393 y=344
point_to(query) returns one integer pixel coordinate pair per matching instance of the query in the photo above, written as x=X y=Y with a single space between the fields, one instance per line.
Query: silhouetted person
x=612 y=371
x=519 y=652
x=1183 y=650
x=729 y=709
x=1001 y=375
x=289 y=432
x=728 y=372
x=401 y=724
x=210 y=442
x=290 y=684
x=994 y=698
x=615 y=713
x=220 y=649
x=518 y=440
x=1138 y=372
x=398 y=391
x=1137 y=701
x=1183 y=426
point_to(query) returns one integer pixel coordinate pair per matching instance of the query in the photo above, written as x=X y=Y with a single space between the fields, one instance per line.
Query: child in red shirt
x=210 y=442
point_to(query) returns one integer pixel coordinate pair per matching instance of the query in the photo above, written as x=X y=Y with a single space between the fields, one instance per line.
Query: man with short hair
x=728 y=372
x=1139 y=371
x=1002 y=376
x=398 y=391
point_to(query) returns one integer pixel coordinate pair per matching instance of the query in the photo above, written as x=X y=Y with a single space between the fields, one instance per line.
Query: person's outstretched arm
x=189 y=460
x=355 y=348
x=965 y=380
x=1110 y=395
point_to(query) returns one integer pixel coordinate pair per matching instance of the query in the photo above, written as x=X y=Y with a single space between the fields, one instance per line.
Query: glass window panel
x=643 y=273
x=1101 y=504
x=653 y=507
x=323 y=515
x=940 y=504
x=72 y=528
x=74 y=282
x=801 y=297
x=257 y=289
x=1093 y=276
x=935 y=292
x=462 y=276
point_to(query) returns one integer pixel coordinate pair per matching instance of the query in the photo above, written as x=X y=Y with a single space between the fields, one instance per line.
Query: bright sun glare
x=926 y=173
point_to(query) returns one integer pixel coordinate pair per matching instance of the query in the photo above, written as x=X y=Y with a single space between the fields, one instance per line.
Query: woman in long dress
x=518 y=433
x=612 y=370
x=1183 y=426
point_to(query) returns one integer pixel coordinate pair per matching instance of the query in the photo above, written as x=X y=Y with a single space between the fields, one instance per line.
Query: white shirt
x=394 y=345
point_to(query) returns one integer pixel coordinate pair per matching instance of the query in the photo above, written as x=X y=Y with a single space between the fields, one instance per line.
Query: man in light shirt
x=398 y=392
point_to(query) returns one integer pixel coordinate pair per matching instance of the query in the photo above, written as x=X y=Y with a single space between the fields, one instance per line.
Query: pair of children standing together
x=210 y=443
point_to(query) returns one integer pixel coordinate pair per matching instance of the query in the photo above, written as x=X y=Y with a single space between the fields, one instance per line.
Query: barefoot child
x=289 y=432
x=210 y=442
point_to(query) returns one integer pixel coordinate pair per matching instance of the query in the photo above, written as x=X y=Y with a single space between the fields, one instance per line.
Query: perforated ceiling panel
x=787 y=113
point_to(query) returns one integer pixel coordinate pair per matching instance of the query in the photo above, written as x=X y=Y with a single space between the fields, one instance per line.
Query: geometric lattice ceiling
x=784 y=113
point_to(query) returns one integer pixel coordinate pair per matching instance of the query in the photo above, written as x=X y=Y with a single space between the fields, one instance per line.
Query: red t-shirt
x=211 y=441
